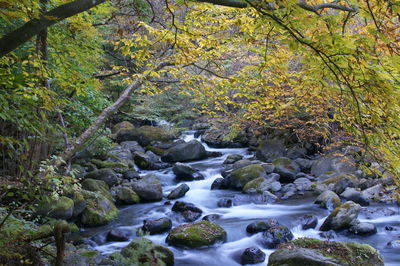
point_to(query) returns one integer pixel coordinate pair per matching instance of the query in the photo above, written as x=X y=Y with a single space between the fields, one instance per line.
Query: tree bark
x=12 y=40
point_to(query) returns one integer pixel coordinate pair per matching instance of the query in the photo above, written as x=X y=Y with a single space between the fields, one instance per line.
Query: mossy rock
x=309 y=251
x=126 y=195
x=342 y=217
x=196 y=235
x=106 y=174
x=122 y=125
x=240 y=177
x=78 y=199
x=143 y=252
x=58 y=208
x=155 y=150
x=258 y=185
x=336 y=179
x=99 y=210
x=108 y=164
x=97 y=186
x=328 y=199
x=159 y=133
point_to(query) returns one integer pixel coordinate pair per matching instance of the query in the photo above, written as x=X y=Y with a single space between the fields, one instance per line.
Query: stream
x=235 y=219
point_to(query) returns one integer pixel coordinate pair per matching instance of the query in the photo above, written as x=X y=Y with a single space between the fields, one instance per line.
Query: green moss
x=97 y=186
x=89 y=253
x=335 y=179
x=158 y=133
x=127 y=195
x=240 y=177
x=108 y=164
x=254 y=184
x=155 y=150
x=99 y=210
x=56 y=207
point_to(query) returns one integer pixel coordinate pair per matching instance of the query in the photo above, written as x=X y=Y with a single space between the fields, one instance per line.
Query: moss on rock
x=240 y=177
x=59 y=208
x=108 y=164
x=196 y=235
x=97 y=186
x=99 y=210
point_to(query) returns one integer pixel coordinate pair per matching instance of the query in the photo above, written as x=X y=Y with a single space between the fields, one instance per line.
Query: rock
x=189 y=212
x=145 y=135
x=305 y=164
x=240 y=177
x=296 y=151
x=157 y=226
x=302 y=184
x=354 y=195
x=214 y=154
x=252 y=255
x=328 y=199
x=148 y=188
x=390 y=228
x=286 y=168
x=308 y=221
x=308 y=251
x=200 y=126
x=270 y=150
x=372 y=192
x=97 y=186
x=342 y=217
x=211 y=217
x=220 y=183
x=190 y=216
x=130 y=174
x=261 y=226
x=109 y=164
x=328 y=234
x=265 y=198
x=57 y=208
x=344 y=183
x=178 y=192
x=122 y=125
x=232 y=158
x=106 y=175
x=395 y=244
x=142 y=251
x=117 y=235
x=242 y=163
x=269 y=168
x=334 y=164
x=215 y=137
x=189 y=151
x=99 y=210
x=196 y=235
x=363 y=229
x=132 y=146
x=79 y=201
x=186 y=172
x=261 y=184
x=275 y=236
x=143 y=161
x=224 y=203
x=125 y=195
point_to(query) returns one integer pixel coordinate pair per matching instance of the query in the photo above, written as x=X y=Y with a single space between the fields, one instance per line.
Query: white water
x=235 y=219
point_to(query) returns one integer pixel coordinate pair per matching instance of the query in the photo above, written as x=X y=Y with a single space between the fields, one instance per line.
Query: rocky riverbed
x=200 y=205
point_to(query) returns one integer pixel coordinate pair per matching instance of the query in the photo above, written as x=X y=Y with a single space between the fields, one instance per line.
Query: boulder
x=240 y=177
x=220 y=183
x=344 y=183
x=261 y=226
x=190 y=151
x=157 y=226
x=232 y=158
x=120 y=154
x=252 y=255
x=275 y=236
x=355 y=196
x=242 y=163
x=78 y=199
x=308 y=251
x=185 y=172
x=211 y=217
x=308 y=221
x=270 y=150
x=286 y=168
x=372 y=192
x=132 y=146
x=328 y=199
x=149 y=161
x=394 y=244
x=145 y=135
x=216 y=137
x=106 y=175
x=122 y=125
x=117 y=235
x=142 y=251
x=109 y=164
x=189 y=211
x=342 y=217
x=57 y=208
x=125 y=195
x=334 y=164
x=224 y=203
x=97 y=186
x=130 y=174
x=363 y=229
x=148 y=188
x=99 y=210
x=254 y=198
x=305 y=164
x=178 y=192
x=196 y=235
x=261 y=184
x=302 y=184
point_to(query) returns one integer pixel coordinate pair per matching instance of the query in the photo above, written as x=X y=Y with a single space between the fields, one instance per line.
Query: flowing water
x=235 y=219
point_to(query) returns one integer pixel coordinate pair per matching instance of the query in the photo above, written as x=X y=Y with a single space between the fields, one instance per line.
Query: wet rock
x=178 y=192
x=190 y=151
x=286 y=168
x=335 y=164
x=305 y=164
x=106 y=175
x=302 y=184
x=97 y=186
x=125 y=195
x=220 y=183
x=130 y=174
x=378 y=212
x=270 y=150
x=344 y=183
x=196 y=235
x=120 y=154
x=142 y=251
x=395 y=244
x=275 y=236
x=269 y=168
x=186 y=172
x=214 y=154
x=240 y=177
x=232 y=158
x=355 y=196
x=224 y=203
x=188 y=210
x=265 y=198
x=57 y=208
x=211 y=217
x=252 y=255
x=215 y=137
x=308 y=221
x=342 y=217
x=308 y=251
x=390 y=228
x=261 y=226
x=117 y=235
x=328 y=234
x=157 y=226
x=242 y=163
x=132 y=146
x=99 y=210
x=148 y=188
x=363 y=229
x=372 y=192
x=328 y=199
